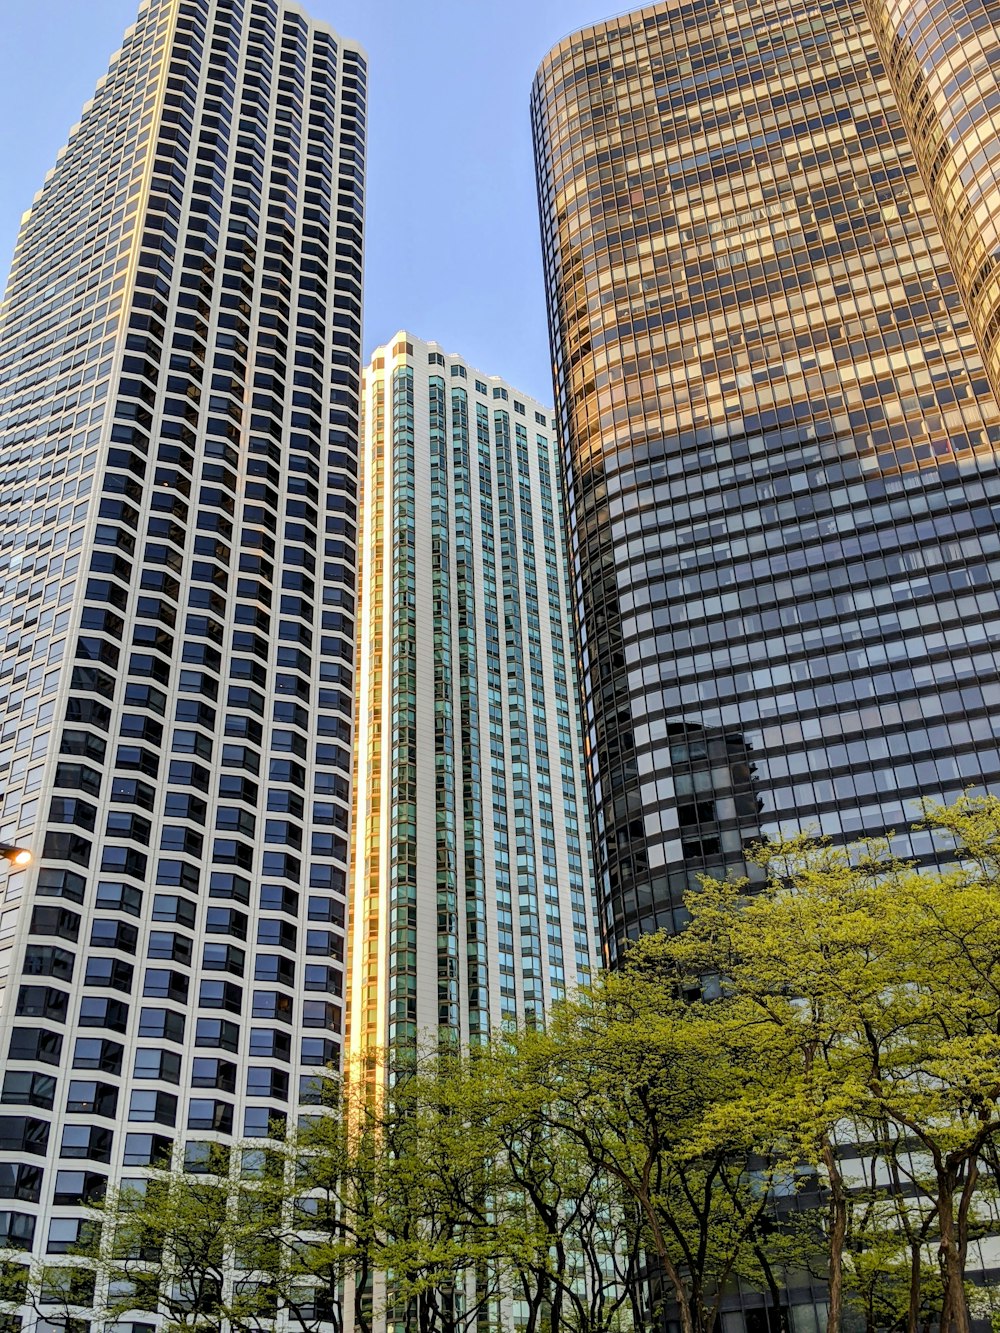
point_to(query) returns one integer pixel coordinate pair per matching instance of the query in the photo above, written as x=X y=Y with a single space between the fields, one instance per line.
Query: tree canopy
x=799 y=1094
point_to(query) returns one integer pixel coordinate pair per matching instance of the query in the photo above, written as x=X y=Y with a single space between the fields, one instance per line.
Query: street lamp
x=17 y=856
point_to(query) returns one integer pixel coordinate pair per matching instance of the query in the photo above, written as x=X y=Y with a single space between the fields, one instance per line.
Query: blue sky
x=452 y=247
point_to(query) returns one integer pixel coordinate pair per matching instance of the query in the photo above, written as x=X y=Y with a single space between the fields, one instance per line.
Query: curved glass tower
x=943 y=60
x=780 y=442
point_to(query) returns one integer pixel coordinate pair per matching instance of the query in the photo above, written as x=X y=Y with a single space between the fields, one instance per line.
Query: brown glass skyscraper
x=944 y=62
x=779 y=435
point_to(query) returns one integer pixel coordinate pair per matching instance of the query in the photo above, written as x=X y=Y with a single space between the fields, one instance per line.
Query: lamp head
x=17 y=856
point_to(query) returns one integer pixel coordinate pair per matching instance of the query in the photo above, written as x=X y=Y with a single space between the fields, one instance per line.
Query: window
x=113 y=896
x=61 y=884
x=274 y=967
x=89 y=1097
x=320 y=1014
x=64 y=1286
x=110 y=972
x=165 y=1065
x=218 y=1032
x=101 y=1013
x=29 y=1089
x=272 y=1004
x=66 y=1234
x=110 y=934
x=168 y=944
x=55 y=921
x=159 y=1107
x=209 y=1073
x=66 y=847
x=276 y=898
x=162 y=983
x=223 y=958
x=167 y=907
x=261 y=1122
x=267 y=1082
x=42 y=1002
x=180 y=874
x=48 y=961
x=226 y=884
x=122 y=824
x=96 y=1053
x=221 y=995
x=19 y=1133
x=91 y=1141
x=147 y=1150
x=162 y=1023
x=135 y=756
x=276 y=932
x=204 y=1113
x=20 y=1181
x=76 y=1187
x=133 y=791
x=124 y=861
x=35 y=1044
x=319 y=1051
x=17 y=1231
x=270 y=1042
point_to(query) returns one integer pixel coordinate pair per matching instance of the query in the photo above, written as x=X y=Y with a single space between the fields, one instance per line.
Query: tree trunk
x=555 y=1316
x=955 y=1311
x=838 y=1234
x=681 y=1293
x=913 y=1311
x=534 y=1294
x=777 y=1318
x=362 y=1319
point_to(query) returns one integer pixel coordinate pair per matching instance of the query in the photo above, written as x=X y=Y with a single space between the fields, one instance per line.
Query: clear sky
x=452 y=226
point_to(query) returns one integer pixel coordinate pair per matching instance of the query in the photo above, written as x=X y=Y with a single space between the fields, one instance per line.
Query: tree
x=634 y=1074
x=215 y=1248
x=562 y=1233
x=883 y=982
x=400 y=1180
x=341 y=1159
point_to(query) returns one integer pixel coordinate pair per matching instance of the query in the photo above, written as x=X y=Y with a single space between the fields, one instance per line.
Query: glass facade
x=943 y=60
x=473 y=902
x=780 y=442
x=179 y=392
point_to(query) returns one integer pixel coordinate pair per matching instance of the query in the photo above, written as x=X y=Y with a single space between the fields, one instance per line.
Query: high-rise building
x=780 y=439
x=472 y=900
x=179 y=393
x=944 y=64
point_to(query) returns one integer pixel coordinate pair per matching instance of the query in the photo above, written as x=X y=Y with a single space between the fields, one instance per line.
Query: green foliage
x=804 y=1084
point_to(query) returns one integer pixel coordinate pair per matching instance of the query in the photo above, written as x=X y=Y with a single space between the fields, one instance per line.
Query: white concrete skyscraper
x=179 y=383
x=472 y=900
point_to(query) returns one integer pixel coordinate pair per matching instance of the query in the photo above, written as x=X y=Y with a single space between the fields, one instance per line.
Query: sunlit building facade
x=779 y=433
x=472 y=897
x=944 y=64
x=179 y=412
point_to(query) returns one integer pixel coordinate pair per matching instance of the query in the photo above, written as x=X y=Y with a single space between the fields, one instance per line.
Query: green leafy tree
x=209 y=1249
x=558 y=1226
x=635 y=1076
x=883 y=983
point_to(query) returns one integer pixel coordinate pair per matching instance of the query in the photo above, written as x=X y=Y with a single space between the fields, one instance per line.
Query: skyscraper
x=179 y=380
x=472 y=902
x=780 y=439
x=942 y=61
